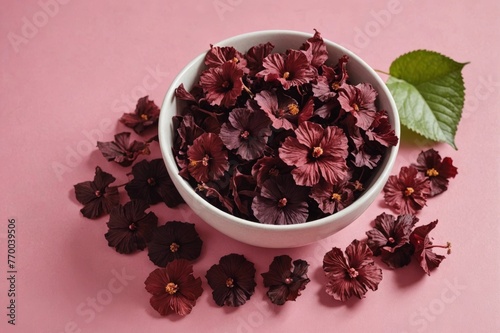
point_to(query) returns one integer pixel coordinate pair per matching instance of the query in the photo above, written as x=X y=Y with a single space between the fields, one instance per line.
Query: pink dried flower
x=317 y=153
x=353 y=274
x=292 y=69
x=222 y=85
x=408 y=192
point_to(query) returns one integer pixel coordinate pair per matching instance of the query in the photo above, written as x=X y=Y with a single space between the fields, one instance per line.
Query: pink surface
x=69 y=69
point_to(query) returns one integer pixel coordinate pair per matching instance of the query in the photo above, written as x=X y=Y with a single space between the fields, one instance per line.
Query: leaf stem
x=382 y=72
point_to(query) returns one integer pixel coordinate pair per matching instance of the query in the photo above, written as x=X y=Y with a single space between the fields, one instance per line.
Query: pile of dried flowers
x=279 y=138
x=174 y=245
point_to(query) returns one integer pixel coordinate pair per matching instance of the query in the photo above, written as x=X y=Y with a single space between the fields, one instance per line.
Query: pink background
x=66 y=80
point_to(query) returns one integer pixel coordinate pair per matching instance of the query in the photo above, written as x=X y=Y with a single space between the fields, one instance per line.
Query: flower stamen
x=355 y=107
x=132 y=226
x=432 y=172
x=229 y=283
x=171 y=288
x=288 y=280
x=409 y=191
x=293 y=109
x=317 y=152
x=286 y=75
x=336 y=197
x=174 y=247
x=151 y=181
x=352 y=273
x=98 y=193
x=244 y=135
x=282 y=202
x=144 y=116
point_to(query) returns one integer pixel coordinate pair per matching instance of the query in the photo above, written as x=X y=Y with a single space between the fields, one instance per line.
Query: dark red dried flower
x=146 y=114
x=243 y=188
x=281 y=202
x=269 y=167
x=218 y=55
x=153 y=184
x=174 y=288
x=352 y=275
x=174 y=240
x=97 y=196
x=332 y=198
x=284 y=280
x=390 y=238
x=381 y=130
x=419 y=238
x=436 y=170
x=246 y=131
x=122 y=151
x=292 y=69
x=359 y=101
x=222 y=85
x=281 y=109
x=408 y=192
x=130 y=227
x=315 y=50
x=255 y=55
x=207 y=158
x=232 y=280
x=328 y=84
x=317 y=153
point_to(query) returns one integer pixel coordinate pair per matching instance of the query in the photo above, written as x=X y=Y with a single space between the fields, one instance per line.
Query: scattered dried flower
x=174 y=288
x=174 y=240
x=437 y=170
x=232 y=280
x=153 y=184
x=352 y=275
x=97 y=196
x=284 y=280
x=122 y=151
x=419 y=238
x=408 y=192
x=130 y=227
x=146 y=114
x=390 y=238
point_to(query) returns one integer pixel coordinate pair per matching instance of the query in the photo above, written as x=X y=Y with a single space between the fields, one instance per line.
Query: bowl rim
x=169 y=159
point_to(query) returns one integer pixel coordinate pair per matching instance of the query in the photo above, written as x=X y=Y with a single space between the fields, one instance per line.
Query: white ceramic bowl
x=276 y=236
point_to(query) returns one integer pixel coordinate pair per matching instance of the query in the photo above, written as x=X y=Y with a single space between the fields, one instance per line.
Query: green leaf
x=428 y=89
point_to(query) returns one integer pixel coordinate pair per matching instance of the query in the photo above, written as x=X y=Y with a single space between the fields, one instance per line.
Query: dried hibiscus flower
x=223 y=84
x=146 y=114
x=391 y=239
x=130 y=227
x=122 y=151
x=153 y=184
x=352 y=275
x=232 y=280
x=317 y=153
x=332 y=198
x=174 y=240
x=408 y=192
x=246 y=131
x=97 y=196
x=285 y=280
x=281 y=202
x=174 y=288
x=420 y=239
x=437 y=170
x=207 y=158
x=291 y=69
